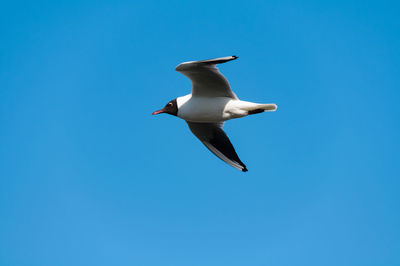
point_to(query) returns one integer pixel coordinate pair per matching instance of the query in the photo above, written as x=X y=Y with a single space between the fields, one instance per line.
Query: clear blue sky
x=89 y=177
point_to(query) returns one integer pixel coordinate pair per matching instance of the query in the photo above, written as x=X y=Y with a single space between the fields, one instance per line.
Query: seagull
x=211 y=103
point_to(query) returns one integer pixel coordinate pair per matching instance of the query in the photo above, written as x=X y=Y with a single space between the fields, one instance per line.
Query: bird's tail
x=268 y=107
x=259 y=108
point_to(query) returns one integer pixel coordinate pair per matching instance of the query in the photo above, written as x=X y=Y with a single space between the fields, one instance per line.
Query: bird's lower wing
x=215 y=139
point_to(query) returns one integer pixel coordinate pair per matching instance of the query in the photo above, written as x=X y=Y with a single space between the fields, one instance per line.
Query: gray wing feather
x=206 y=79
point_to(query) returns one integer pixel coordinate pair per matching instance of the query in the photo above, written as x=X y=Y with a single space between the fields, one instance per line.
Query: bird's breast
x=203 y=109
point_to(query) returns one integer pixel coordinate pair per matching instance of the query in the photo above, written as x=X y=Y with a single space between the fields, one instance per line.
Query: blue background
x=89 y=177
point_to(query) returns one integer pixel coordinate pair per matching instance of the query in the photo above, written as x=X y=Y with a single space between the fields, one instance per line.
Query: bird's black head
x=170 y=108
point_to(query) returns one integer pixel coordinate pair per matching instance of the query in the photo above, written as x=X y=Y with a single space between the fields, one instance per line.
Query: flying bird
x=210 y=104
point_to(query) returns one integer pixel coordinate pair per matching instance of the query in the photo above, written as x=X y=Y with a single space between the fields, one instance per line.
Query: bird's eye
x=169 y=104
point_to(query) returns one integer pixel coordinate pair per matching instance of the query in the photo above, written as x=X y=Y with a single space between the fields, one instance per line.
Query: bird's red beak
x=158 y=112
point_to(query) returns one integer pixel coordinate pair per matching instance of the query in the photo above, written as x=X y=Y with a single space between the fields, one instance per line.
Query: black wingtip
x=244 y=169
x=235 y=57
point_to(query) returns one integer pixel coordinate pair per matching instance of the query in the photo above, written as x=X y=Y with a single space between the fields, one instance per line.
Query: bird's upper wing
x=207 y=81
x=215 y=139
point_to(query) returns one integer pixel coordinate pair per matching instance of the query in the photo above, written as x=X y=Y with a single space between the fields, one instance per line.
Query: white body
x=216 y=109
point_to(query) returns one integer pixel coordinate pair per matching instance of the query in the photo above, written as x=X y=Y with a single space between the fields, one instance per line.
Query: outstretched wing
x=215 y=139
x=206 y=79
